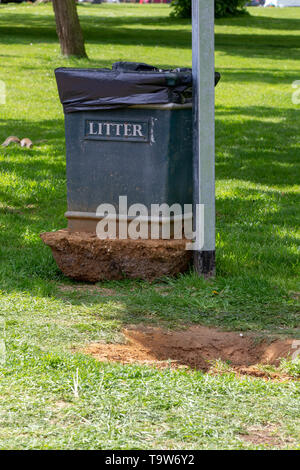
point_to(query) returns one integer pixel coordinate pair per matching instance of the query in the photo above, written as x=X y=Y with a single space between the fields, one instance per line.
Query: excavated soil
x=84 y=257
x=197 y=347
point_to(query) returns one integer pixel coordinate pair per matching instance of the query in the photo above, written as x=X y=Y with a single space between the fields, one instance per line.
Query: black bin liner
x=126 y=84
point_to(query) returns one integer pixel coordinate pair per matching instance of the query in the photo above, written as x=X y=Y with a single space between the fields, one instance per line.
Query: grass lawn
x=258 y=218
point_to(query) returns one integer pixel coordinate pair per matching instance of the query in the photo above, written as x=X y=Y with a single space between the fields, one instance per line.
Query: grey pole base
x=204 y=131
x=205 y=263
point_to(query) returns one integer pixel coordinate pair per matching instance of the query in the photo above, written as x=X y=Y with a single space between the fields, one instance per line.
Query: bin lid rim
x=168 y=73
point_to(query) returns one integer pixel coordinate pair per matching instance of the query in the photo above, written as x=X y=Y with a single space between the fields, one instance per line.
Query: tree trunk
x=68 y=28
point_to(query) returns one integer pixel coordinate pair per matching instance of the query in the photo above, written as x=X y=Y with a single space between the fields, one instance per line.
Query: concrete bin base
x=84 y=257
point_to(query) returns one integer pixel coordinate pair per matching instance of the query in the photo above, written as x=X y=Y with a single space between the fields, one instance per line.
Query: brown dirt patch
x=83 y=257
x=197 y=347
x=267 y=436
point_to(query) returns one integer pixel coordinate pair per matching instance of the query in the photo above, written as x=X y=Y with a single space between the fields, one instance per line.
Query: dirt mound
x=82 y=256
x=196 y=347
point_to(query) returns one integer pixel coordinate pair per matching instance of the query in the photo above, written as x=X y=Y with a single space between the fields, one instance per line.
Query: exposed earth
x=197 y=347
x=84 y=257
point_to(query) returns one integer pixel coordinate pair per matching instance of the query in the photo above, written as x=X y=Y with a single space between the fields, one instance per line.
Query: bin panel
x=144 y=154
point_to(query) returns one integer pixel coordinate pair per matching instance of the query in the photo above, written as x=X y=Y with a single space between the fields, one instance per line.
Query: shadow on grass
x=96 y=30
x=261 y=146
x=48 y=130
x=258 y=46
x=270 y=76
x=262 y=22
x=144 y=31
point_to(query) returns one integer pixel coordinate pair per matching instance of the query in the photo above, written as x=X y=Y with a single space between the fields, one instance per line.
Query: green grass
x=258 y=213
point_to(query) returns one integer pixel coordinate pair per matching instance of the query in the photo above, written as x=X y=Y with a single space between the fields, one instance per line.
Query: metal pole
x=204 y=131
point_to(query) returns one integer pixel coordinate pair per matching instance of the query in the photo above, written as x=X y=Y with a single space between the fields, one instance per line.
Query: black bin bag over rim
x=126 y=84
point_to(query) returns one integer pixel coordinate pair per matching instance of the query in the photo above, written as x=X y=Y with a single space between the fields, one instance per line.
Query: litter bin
x=128 y=133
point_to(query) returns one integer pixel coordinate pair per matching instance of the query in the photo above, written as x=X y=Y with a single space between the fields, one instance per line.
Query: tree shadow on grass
x=173 y=32
x=258 y=46
x=96 y=30
x=261 y=22
x=260 y=147
x=258 y=75
x=43 y=131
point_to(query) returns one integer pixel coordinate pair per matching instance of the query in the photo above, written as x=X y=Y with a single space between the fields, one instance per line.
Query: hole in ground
x=197 y=347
